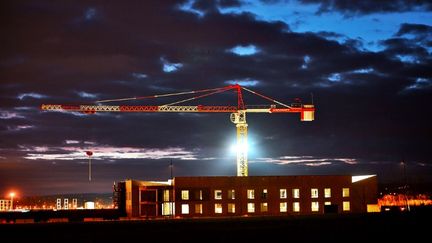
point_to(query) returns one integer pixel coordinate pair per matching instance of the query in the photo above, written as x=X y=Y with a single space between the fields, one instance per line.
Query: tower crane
x=237 y=113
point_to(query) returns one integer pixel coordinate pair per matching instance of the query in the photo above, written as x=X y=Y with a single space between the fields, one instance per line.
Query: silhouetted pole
x=171 y=170
x=89 y=154
x=405 y=186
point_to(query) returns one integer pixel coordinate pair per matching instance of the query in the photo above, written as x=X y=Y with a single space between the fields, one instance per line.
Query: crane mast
x=237 y=113
x=239 y=118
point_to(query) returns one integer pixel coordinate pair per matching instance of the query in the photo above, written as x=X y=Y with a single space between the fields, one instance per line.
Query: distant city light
x=89 y=205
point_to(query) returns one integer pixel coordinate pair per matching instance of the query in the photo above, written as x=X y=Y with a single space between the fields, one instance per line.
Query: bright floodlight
x=239 y=148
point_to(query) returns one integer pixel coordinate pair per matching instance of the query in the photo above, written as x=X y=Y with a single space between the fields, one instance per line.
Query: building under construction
x=222 y=196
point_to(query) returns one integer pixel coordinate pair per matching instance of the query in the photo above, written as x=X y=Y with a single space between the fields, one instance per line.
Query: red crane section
x=306 y=111
x=238 y=113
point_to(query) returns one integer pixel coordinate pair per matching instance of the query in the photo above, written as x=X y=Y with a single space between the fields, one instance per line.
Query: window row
x=314 y=193
x=185 y=195
x=263 y=207
x=251 y=193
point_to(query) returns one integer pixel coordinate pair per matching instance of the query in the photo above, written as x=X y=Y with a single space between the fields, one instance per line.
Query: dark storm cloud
x=369 y=104
x=213 y=5
x=416 y=29
x=78 y=53
x=411 y=44
x=402 y=46
x=230 y=3
x=422 y=34
x=369 y=6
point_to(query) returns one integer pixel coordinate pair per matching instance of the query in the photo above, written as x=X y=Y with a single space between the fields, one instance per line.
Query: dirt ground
x=391 y=227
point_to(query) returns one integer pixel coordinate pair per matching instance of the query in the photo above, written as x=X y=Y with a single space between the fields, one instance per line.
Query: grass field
x=391 y=227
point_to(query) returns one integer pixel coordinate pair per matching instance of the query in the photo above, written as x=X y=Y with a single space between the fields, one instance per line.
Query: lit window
x=264 y=194
x=185 y=208
x=166 y=196
x=346 y=206
x=283 y=207
x=198 y=208
x=327 y=192
x=218 y=207
x=231 y=194
x=345 y=192
x=315 y=206
x=231 y=207
x=251 y=207
x=198 y=195
x=250 y=194
x=314 y=193
x=218 y=194
x=327 y=203
x=296 y=206
x=185 y=194
x=296 y=193
x=167 y=208
x=264 y=207
x=282 y=193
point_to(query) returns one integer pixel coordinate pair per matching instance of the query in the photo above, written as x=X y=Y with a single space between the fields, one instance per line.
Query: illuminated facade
x=248 y=196
x=5 y=204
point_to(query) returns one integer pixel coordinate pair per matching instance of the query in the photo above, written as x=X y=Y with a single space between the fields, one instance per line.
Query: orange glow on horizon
x=404 y=200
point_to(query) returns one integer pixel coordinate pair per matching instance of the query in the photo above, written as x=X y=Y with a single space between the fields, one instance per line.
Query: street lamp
x=89 y=154
x=405 y=186
x=12 y=195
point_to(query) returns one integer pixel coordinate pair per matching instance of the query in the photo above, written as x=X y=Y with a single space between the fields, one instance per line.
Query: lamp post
x=12 y=195
x=171 y=170
x=405 y=186
x=89 y=154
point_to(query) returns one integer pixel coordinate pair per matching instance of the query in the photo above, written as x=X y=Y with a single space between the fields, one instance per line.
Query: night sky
x=367 y=63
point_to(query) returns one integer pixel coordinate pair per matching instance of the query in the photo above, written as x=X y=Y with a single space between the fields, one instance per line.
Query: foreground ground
x=391 y=227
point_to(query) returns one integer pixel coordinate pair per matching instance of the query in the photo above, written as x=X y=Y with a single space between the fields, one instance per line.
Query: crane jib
x=138 y=108
x=238 y=113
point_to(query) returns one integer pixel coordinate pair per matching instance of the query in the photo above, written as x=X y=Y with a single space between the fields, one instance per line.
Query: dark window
x=264 y=194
